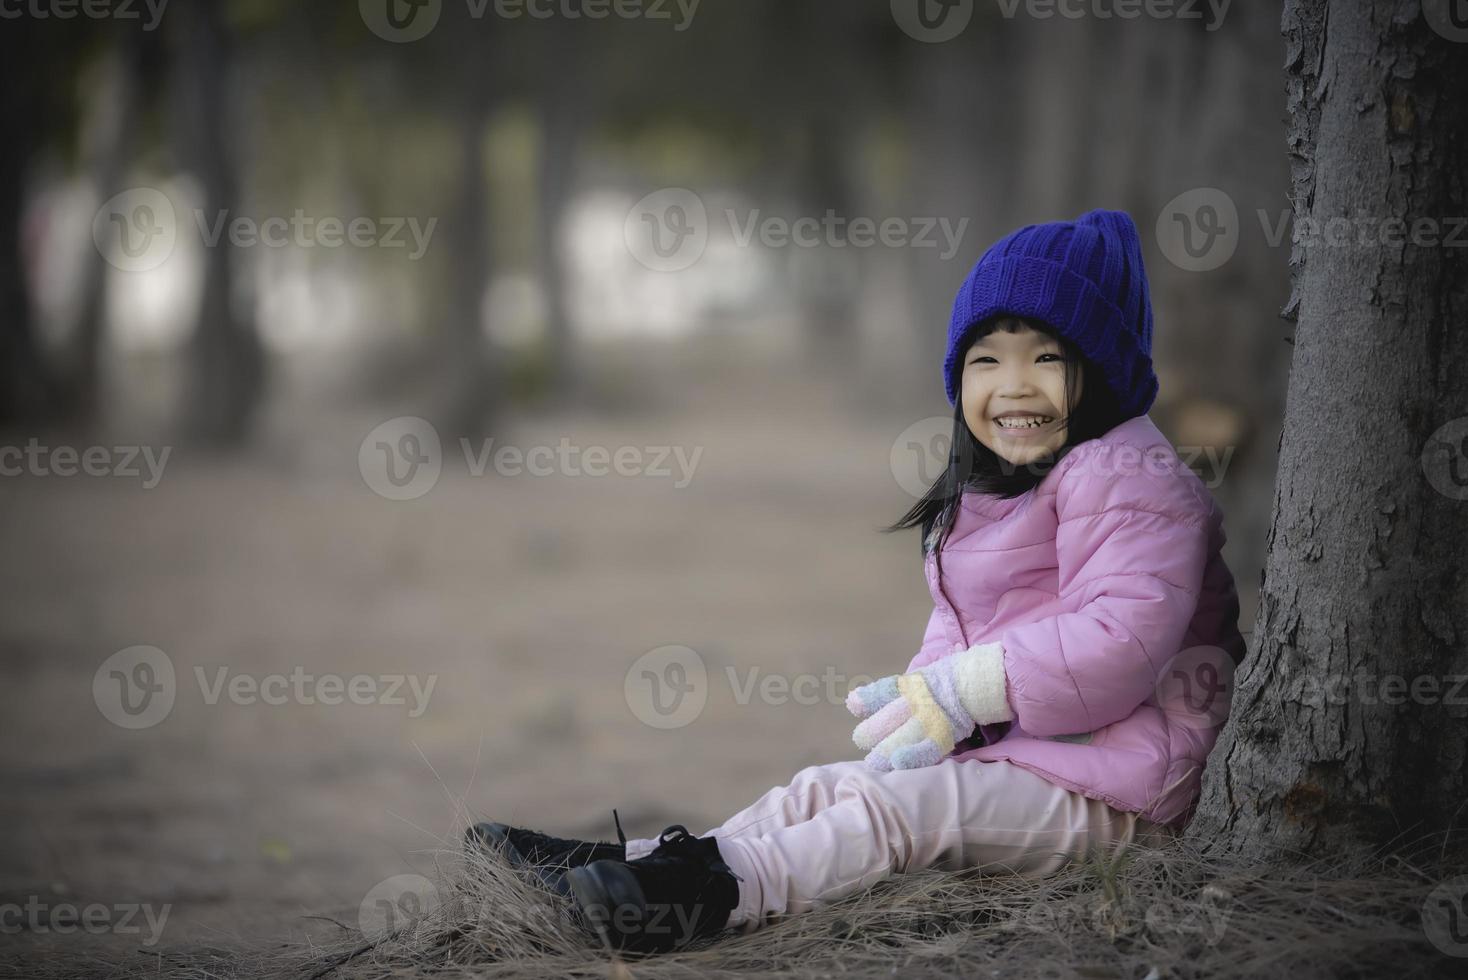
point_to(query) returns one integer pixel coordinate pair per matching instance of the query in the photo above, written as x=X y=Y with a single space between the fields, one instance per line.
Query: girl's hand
x=914 y=720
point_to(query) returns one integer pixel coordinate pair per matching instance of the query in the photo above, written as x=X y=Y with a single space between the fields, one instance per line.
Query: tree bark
x=1362 y=583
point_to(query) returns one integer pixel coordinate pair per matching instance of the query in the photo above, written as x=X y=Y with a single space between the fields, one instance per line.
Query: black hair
x=976 y=467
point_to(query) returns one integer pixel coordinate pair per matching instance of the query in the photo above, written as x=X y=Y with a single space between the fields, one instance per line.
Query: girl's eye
x=985 y=357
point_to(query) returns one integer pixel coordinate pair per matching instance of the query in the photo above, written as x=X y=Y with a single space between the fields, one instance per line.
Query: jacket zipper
x=953 y=626
x=951 y=623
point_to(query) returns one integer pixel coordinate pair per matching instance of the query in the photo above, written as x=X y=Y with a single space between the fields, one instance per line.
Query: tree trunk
x=107 y=155
x=226 y=360
x=561 y=120
x=1362 y=583
x=824 y=184
x=466 y=378
x=26 y=392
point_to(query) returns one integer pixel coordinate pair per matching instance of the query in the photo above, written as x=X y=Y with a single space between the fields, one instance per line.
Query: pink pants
x=839 y=828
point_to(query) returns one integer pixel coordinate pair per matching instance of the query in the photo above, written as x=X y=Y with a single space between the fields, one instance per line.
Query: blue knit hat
x=1084 y=278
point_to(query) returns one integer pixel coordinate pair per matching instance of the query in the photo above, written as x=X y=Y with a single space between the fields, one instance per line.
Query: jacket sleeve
x=935 y=644
x=1132 y=542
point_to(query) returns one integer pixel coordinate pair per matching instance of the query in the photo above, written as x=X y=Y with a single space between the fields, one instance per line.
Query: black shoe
x=546 y=857
x=681 y=891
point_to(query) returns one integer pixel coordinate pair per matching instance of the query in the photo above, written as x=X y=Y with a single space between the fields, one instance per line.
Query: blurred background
x=422 y=408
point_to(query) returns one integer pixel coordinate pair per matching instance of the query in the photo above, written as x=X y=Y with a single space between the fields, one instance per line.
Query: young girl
x=1074 y=672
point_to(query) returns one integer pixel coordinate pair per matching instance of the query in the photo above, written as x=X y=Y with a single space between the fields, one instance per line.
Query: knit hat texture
x=1085 y=278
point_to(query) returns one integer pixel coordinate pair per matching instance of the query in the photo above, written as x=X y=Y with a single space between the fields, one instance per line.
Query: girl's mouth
x=1028 y=430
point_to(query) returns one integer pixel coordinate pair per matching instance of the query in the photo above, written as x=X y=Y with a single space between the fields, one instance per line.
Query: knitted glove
x=914 y=720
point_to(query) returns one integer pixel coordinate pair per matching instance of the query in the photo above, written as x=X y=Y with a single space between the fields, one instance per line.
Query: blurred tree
x=109 y=139
x=1348 y=718
x=820 y=44
x=467 y=382
x=226 y=360
x=26 y=393
x=565 y=104
x=970 y=150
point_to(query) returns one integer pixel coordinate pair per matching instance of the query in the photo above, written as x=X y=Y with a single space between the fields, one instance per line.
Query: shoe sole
x=604 y=891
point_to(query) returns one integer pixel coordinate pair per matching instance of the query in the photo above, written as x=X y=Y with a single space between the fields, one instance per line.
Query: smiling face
x=1023 y=374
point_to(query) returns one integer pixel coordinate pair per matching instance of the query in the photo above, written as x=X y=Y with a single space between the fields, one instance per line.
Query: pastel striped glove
x=914 y=720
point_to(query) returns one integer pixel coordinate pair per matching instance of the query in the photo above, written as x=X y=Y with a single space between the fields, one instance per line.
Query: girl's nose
x=1016 y=382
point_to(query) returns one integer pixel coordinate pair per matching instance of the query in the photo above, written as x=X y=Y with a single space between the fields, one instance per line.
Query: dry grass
x=1146 y=913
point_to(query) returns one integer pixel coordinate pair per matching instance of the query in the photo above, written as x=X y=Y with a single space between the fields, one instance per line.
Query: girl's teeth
x=1010 y=423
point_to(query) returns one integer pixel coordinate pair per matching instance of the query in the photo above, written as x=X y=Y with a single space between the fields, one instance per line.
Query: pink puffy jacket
x=1106 y=588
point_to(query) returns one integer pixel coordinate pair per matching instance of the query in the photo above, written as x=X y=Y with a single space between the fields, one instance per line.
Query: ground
x=527 y=598
x=524 y=600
